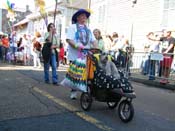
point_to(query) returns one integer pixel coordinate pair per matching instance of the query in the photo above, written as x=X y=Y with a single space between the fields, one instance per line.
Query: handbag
x=37 y=46
x=46 y=52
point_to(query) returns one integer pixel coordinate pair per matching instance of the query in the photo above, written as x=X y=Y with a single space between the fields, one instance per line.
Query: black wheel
x=112 y=105
x=126 y=111
x=86 y=101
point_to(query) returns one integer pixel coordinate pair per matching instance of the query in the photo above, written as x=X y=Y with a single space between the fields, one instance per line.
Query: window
x=166 y=4
x=172 y=4
x=169 y=4
x=101 y=15
x=165 y=18
x=168 y=10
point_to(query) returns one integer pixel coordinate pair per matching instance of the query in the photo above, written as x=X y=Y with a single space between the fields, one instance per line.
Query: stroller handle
x=91 y=51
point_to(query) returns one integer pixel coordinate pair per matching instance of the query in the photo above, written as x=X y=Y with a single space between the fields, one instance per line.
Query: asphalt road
x=28 y=104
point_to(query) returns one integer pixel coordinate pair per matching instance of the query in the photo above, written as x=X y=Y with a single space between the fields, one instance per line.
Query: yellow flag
x=41 y=5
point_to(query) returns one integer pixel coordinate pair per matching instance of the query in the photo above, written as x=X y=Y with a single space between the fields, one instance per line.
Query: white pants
x=36 y=59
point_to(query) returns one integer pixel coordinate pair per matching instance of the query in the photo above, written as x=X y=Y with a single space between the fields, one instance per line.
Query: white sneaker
x=73 y=95
x=39 y=67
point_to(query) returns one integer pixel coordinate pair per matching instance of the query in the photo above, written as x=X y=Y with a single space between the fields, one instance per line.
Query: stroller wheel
x=126 y=111
x=112 y=105
x=85 y=101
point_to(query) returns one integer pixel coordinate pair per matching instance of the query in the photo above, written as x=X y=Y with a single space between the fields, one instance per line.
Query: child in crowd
x=61 y=54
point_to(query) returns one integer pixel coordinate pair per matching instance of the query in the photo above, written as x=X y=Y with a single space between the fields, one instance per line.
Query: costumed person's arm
x=95 y=45
x=73 y=44
x=70 y=37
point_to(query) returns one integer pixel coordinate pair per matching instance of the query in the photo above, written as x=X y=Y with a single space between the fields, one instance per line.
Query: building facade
x=65 y=10
x=6 y=23
x=133 y=20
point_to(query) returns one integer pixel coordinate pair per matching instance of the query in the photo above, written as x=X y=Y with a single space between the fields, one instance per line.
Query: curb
x=153 y=83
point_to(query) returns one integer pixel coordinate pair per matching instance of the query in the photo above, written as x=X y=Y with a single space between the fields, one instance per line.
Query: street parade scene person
x=79 y=37
x=168 y=43
x=50 y=54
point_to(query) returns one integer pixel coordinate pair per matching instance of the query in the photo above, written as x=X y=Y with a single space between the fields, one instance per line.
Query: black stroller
x=115 y=92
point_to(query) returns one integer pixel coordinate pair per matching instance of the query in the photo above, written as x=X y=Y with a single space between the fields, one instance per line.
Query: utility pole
x=89 y=7
x=89 y=4
x=134 y=2
x=0 y=19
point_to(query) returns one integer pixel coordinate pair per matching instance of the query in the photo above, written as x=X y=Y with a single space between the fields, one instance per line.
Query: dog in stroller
x=107 y=84
x=108 y=66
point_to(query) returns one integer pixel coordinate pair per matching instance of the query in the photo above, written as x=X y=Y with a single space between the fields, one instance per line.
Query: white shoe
x=39 y=67
x=73 y=95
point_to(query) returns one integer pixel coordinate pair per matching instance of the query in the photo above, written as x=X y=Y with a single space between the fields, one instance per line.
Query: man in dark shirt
x=168 y=43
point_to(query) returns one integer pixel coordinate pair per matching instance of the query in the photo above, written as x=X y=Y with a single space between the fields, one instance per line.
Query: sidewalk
x=144 y=79
x=136 y=77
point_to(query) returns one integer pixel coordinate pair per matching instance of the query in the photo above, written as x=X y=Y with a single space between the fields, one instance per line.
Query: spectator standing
x=5 y=46
x=25 y=46
x=129 y=50
x=0 y=48
x=61 y=54
x=36 y=50
x=153 y=47
x=13 y=44
x=115 y=41
x=108 y=42
x=100 y=42
x=116 y=47
x=145 y=61
x=51 y=39
x=79 y=36
x=168 y=43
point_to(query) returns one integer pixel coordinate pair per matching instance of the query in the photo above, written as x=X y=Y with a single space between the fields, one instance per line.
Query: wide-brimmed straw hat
x=79 y=12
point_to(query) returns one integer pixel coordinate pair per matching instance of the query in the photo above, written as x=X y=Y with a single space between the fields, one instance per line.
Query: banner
x=40 y=5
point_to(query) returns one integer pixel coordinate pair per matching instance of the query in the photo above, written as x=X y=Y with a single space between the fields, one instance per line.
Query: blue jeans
x=121 y=59
x=152 y=69
x=1 y=53
x=53 y=64
x=13 y=49
x=145 y=66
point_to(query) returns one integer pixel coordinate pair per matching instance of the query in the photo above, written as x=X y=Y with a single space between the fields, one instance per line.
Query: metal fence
x=153 y=65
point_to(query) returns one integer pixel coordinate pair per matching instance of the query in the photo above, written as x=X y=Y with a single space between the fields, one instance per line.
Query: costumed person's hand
x=80 y=47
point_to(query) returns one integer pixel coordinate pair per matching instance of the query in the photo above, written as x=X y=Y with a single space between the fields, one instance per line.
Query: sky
x=23 y=3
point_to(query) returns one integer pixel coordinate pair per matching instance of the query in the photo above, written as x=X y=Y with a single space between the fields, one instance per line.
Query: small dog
x=108 y=66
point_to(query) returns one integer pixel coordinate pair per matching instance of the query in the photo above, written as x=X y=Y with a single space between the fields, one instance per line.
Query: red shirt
x=61 y=54
x=5 y=42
